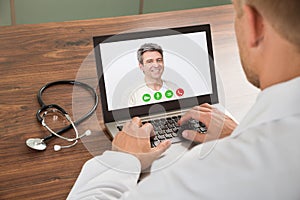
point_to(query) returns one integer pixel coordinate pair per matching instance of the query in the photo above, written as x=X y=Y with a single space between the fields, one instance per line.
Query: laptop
x=188 y=66
x=188 y=71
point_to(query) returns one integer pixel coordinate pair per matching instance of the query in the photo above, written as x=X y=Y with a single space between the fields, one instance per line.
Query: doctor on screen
x=154 y=89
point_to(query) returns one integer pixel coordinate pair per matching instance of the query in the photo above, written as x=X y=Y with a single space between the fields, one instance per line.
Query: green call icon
x=146 y=97
x=157 y=95
x=169 y=93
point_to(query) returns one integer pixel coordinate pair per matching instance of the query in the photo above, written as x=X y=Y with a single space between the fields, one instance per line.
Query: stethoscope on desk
x=40 y=143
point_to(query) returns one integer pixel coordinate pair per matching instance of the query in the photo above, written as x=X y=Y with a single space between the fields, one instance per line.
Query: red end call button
x=179 y=92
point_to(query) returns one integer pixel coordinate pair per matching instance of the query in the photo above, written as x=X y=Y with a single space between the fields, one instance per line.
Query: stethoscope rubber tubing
x=44 y=106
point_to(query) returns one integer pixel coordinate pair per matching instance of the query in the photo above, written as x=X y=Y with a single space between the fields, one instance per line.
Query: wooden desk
x=31 y=55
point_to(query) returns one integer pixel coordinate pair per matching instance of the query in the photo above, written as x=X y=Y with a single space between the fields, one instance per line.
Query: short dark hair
x=148 y=47
x=283 y=16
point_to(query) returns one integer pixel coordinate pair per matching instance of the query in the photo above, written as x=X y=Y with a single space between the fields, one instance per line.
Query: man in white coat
x=259 y=158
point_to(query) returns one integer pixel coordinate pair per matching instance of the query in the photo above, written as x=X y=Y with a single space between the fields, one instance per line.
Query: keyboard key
x=156 y=142
x=201 y=124
x=161 y=137
x=168 y=135
x=169 y=131
x=160 y=133
x=155 y=138
x=120 y=128
x=203 y=129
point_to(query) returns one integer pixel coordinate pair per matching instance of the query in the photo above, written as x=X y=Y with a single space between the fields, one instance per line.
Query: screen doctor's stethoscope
x=40 y=143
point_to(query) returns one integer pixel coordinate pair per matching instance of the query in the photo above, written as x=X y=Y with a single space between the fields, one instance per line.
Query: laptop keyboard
x=168 y=128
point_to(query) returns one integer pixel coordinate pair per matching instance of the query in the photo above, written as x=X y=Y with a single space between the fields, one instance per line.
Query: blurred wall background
x=42 y=11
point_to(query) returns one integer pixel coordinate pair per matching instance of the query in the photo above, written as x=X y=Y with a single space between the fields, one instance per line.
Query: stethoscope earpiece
x=57 y=147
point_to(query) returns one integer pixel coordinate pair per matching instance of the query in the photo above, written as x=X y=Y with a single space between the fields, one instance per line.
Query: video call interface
x=184 y=70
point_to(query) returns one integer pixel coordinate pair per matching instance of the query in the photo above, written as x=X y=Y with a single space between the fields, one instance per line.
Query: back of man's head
x=283 y=15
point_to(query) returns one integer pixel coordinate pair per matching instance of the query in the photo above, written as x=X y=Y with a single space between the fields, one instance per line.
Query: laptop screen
x=169 y=67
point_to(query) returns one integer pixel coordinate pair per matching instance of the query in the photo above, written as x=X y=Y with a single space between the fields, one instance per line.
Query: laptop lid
x=188 y=73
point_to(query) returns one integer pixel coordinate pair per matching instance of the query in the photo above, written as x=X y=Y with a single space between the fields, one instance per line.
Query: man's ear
x=255 y=25
x=141 y=66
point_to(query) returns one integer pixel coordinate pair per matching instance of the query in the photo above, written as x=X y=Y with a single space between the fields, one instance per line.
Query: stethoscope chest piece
x=36 y=143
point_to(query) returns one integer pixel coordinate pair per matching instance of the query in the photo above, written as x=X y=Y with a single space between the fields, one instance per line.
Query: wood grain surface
x=32 y=55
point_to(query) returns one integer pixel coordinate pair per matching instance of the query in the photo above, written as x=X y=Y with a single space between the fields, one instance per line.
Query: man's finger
x=189 y=115
x=161 y=148
x=203 y=117
x=137 y=121
x=202 y=109
x=147 y=130
x=206 y=105
x=194 y=136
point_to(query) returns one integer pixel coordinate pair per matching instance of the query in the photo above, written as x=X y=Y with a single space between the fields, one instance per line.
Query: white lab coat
x=260 y=160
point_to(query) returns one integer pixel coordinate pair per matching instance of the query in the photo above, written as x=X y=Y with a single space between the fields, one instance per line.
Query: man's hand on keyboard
x=218 y=124
x=135 y=139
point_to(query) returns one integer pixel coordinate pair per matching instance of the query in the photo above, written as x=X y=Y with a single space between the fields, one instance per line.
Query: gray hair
x=148 y=47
